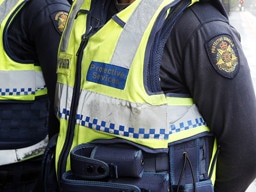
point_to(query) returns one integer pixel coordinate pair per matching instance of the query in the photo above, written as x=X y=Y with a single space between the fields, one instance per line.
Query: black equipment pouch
x=190 y=160
x=116 y=165
x=131 y=160
x=103 y=161
x=203 y=186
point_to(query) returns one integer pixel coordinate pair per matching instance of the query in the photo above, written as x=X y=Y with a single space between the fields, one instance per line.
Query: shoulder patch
x=223 y=55
x=60 y=20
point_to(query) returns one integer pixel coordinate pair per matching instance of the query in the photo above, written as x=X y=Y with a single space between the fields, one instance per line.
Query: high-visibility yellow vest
x=103 y=86
x=20 y=82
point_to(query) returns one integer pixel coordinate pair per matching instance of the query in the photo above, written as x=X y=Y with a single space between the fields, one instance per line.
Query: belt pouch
x=189 y=163
x=203 y=186
x=129 y=161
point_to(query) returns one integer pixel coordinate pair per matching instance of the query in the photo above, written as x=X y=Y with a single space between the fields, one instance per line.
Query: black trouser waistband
x=20 y=172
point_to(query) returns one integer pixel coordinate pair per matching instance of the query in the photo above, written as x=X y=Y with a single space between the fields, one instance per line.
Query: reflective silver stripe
x=6 y=7
x=15 y=155
x=40 y=82
x=63 y=100
x=118 y=115
x=133 y=31
x=69 y=26
x=134 y=120
x=183 y=118
x=21 y=82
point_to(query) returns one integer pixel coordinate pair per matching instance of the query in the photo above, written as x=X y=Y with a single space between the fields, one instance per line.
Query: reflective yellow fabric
x=17 y=81
x=108 y=104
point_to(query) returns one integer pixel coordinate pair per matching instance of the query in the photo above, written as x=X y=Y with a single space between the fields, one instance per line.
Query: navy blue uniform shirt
x=203 y=58
x=35 y=34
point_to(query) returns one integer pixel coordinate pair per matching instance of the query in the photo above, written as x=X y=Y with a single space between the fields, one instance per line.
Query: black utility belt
x=118 y=165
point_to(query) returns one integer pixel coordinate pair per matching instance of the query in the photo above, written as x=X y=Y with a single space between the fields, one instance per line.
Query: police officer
x=30 y=32
x=107 y=90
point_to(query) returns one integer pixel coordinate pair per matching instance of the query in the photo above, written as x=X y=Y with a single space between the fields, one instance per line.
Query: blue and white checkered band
x=141 y=133
x=137 y=133
x=19 y=91
x=183 y=126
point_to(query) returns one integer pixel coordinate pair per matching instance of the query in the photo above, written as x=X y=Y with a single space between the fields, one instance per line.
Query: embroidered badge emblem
x=223 y=56
x=63 y=65
x=61 y=19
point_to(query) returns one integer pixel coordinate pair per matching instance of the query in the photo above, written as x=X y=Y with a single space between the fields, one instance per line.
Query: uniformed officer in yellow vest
x=30 y=31
x=153 y=96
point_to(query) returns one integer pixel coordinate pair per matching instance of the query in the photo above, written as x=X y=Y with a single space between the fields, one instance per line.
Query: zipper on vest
x=74 y=103
x=83 y=43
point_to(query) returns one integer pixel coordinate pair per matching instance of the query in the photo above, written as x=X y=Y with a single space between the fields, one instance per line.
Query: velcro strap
x=88 y=168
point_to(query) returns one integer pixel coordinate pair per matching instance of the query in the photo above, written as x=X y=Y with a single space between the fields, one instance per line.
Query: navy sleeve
x=45 y=28
x=204 y=58
x=46 y=31
x=34 y=36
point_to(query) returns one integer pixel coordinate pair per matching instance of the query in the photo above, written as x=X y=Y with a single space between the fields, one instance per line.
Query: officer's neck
x=122 y=4
x=125 y=1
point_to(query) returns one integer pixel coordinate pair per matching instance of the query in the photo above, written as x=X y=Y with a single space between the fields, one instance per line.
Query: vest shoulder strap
x=160 y=39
